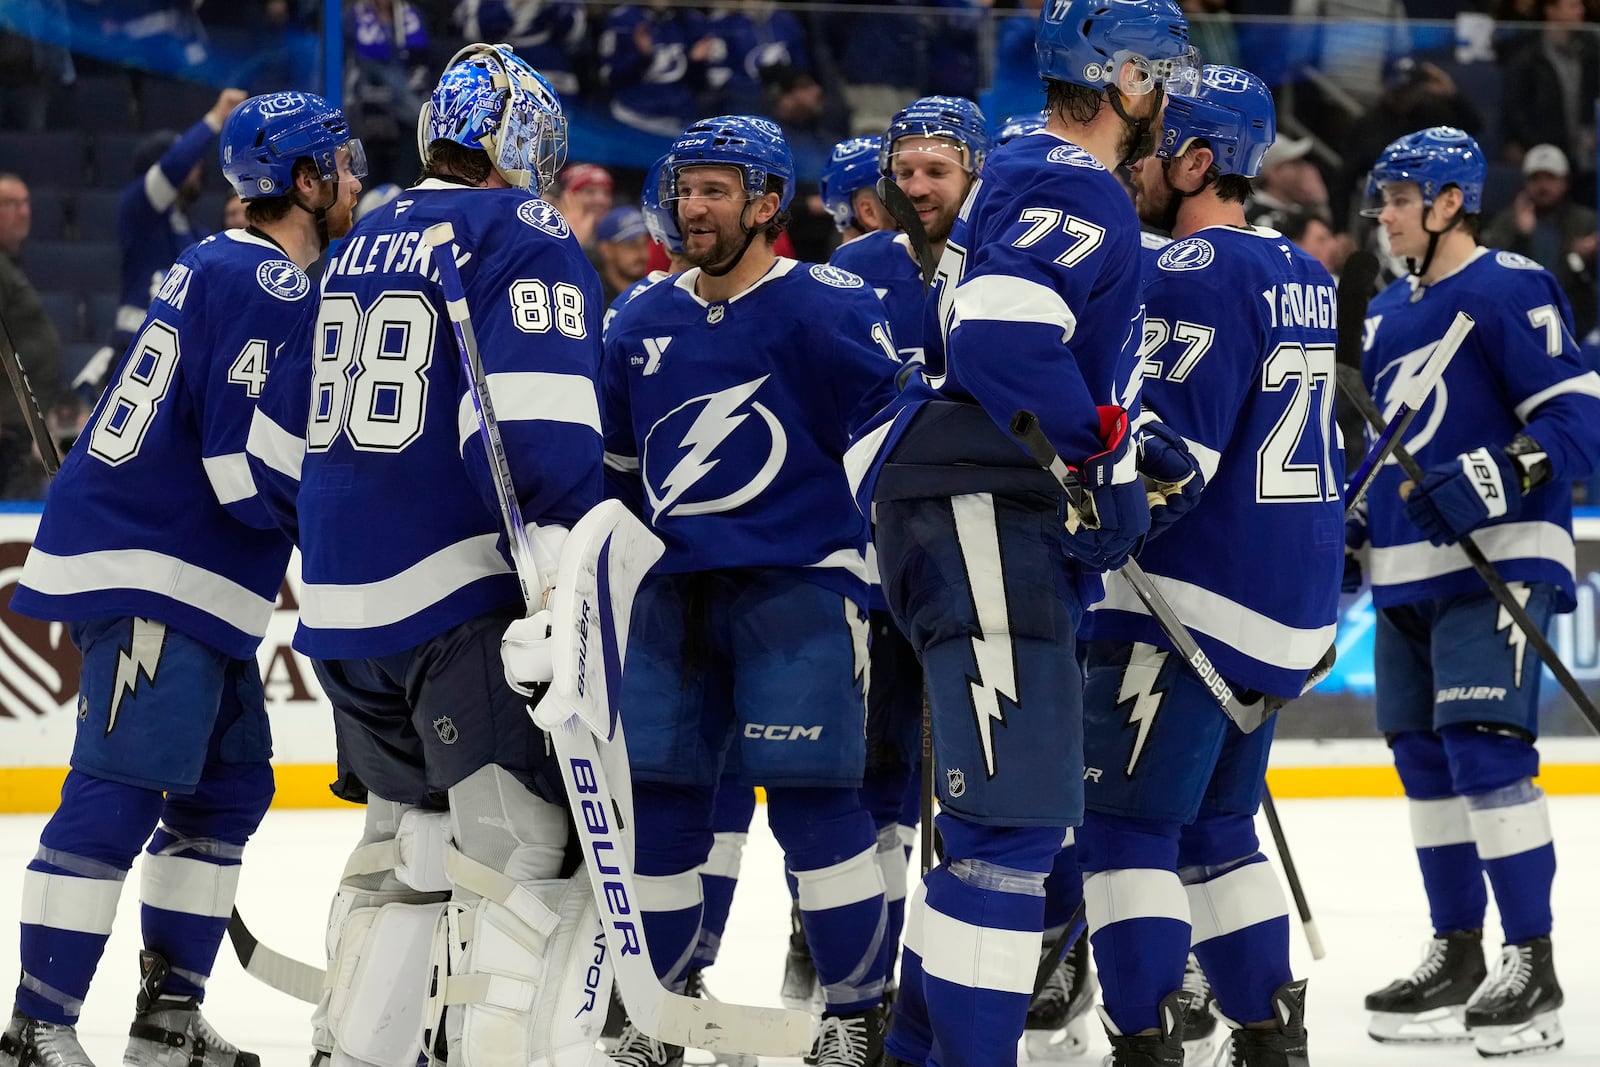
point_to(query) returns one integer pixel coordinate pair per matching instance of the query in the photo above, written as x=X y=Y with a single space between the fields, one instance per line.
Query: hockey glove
x=1115 y=515
x=1172 y=477
x=1456 y=498
x=525 y=649
x=1355 y=535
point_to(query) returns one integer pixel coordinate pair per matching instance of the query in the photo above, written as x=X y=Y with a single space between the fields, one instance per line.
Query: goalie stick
x=604 y=825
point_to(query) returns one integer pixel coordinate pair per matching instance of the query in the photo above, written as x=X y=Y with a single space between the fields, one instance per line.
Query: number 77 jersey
x=1238 y=357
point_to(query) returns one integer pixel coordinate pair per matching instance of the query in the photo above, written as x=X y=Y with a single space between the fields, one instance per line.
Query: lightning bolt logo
x=719 y=417
x=142 y=657
x=1139 y=690
x=995 y=676
x=1516 y=640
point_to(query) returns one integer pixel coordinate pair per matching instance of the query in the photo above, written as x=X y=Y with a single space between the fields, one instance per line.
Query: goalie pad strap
x=495 y=990
x=514 y=896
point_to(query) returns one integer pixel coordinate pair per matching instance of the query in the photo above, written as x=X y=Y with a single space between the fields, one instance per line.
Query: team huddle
x=1003 y=471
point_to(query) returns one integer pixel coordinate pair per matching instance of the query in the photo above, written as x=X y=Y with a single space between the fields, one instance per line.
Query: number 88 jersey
x=1238 y=357
x=154 y=513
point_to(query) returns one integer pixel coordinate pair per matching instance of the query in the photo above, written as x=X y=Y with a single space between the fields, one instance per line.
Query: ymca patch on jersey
x=282 y=279
x=837 y=277
x=1073 y=156
x=1193 y=253
x=542 y=215
x=1515 y=261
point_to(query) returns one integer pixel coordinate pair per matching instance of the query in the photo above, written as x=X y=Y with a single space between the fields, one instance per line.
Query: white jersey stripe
x=150 y=572
x=1419 y=561
x=391 y=600
x=276 y=447
x=1584 y=385
x=998 y=297
x=530 y=396
x=230 y=477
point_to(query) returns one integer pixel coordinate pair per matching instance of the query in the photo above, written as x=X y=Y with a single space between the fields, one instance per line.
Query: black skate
x=35 y=1043
x=1427 y=1006
x=1164 y=1049
x=801 y=991
x=169 y=1031
x=1283 y=1046
x=1058 y=1024
x=636 y=1049
x=616 y=1021
x=1201 y=1033
x=1514 y=1011
x=853 y=1040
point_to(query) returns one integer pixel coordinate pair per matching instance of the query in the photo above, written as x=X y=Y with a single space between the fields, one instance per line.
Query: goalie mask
x=491 y=99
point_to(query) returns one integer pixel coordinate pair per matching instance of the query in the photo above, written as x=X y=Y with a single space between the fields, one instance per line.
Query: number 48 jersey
x=1238 y=357
x=154 y=513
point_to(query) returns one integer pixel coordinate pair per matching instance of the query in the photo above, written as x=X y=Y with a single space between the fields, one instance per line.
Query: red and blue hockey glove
x=1171 y=475
x=1115 y=515
x=1470 y=491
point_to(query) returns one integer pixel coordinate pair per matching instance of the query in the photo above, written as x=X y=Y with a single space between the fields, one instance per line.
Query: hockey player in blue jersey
x=985 y=569
x=1168 y=844
x=156 y=551
x=1513 y=421
x=462 y=853
x=848 y=187
x=727 y=417
x=663 y=230
x=1019 y=126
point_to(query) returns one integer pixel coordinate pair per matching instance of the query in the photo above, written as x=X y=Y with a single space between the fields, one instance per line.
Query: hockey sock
x=71 y=888
x=190 y=872
x=883 y=792
x=1240 y=934
x=1063 y=890
x=672 y=840
x=910 y=1036
x=975 y=936
x=719 y=875
x=1452 y=875
x=892 y=866
x=831 y=848
x=1512 y=829
x=1138 y=914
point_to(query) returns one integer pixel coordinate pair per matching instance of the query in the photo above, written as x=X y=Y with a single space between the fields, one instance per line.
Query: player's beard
x=1158 y=202
x=341 y=216
x=724 y=249
x=943 y=222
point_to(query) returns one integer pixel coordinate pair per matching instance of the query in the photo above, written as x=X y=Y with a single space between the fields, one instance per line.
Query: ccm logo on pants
x=757 y=732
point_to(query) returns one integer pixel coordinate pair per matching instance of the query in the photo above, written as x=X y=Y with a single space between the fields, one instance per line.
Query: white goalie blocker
x=605 y=558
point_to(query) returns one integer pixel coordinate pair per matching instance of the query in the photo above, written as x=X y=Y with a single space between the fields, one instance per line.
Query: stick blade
x=440 y=233
x=718 y=1026
x=299 y=980
x=904 y=213
x=1356 y=280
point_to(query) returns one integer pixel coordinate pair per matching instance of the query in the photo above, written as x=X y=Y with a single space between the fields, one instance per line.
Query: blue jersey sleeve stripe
x=1586 y=384
x=533 y=396
x=274 y=446
x=1252 y=633
x=148 y=572
x=394 y=599
x=230 y=477
x=1420 y=561
x=158 y=190
x=1002 y=298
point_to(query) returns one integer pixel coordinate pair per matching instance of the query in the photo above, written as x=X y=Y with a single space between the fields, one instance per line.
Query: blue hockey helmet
x=1019 y=126
x=1434 y=158
x=1132 y=44
x=851 y=167
x=1233 y=110
x=658 y=216
x=754 y=145
x=263 y=138
x=953 y=117
x=490 y=98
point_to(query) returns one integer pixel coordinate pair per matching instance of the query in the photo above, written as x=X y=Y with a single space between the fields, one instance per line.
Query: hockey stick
x=904 y=212
x=49 y=454
x=1291 y=874
x=602 y=823
x=299 y=980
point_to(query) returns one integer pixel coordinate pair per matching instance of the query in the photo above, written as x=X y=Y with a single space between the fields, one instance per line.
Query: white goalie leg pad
x=571 y=1008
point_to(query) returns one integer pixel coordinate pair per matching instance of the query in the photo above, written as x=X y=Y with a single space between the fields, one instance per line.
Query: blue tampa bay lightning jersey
x=884 y=261
x=726 y=423
x=154 y=513
x=1238 y=357
x=630 y=292
x=372 y=432
x=1038 y=307
x=153 y=228
x=1517 y=372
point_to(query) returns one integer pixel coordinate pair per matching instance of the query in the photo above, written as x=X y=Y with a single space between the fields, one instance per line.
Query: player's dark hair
x=1233 y=188
x=267 y=209
x=779 y=222
x=1079 y=103
x=1296 y=223
x=446 y=159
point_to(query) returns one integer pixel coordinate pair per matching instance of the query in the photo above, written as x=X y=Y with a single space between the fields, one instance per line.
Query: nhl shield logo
x=715 y=312
x=446 y=728
x=955 y=782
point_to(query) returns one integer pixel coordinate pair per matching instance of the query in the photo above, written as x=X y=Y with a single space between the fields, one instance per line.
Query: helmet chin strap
x=1433 y=243
x=1143 y=130
x=1169 y=218
x=733 y=261
x=319 y=214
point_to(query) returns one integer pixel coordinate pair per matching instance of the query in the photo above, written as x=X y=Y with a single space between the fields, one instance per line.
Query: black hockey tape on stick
x=1292 y=875
x=49 y=455
x=1355 y=390
x=299 y=980
x=904 y=212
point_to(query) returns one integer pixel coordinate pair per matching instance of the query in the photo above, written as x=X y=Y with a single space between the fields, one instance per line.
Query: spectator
x=1288 y=182
x=1316 y=238
x=623 y=247
x=583 y=196
x=550 y=34
x=883 y=60
x=1544 y=224
x=811 y=122
x=38 y=344
x=385 y=78
x=751 y=39
x=1549 y=91
x=653 y=59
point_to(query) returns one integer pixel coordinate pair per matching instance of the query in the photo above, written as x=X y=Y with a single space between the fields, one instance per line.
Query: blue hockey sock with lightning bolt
x=719 y=875
x=71 y=889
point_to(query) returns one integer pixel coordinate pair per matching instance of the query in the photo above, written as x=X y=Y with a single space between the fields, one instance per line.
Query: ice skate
x=1514 y=1010
x=801 y=991
x=616 y=1021
x=695 y=986
x=1058 y=1024
x=1163 y=1049
x=1428 y=1005
x=35 y=1043
x=169 y=1031
x=1282 y=1046
x=1201 y=1035
x=854 y=1040
x=636 y=1049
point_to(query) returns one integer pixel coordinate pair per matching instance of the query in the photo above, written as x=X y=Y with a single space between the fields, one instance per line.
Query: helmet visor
x=1137 y=75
